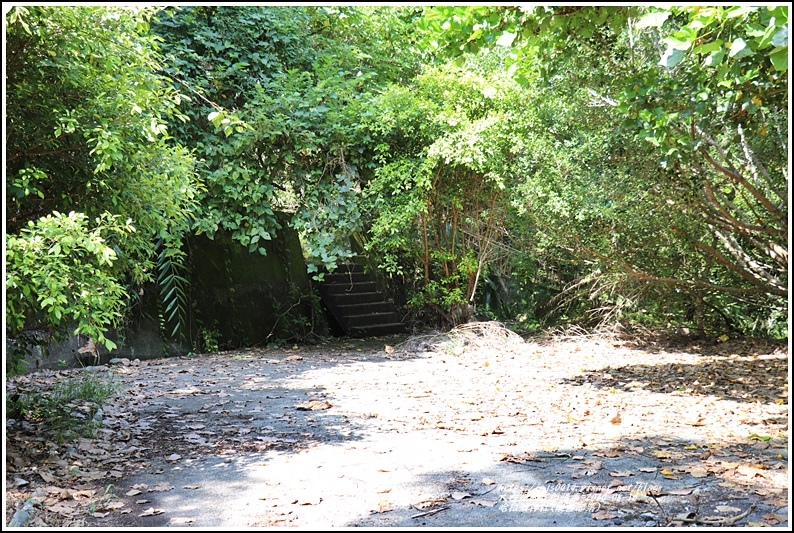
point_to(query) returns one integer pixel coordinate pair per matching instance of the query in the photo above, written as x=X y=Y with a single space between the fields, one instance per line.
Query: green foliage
x=666 y=177
x=59 y=272
x=445 y=153
x=173 y=285
x=87 y=134
x=275 y=122
x=209 y=340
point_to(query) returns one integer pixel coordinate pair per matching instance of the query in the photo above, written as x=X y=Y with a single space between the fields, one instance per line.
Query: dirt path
x=477 y=429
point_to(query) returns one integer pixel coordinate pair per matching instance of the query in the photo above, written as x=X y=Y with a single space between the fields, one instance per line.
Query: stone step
x=346 y=277
x=352 y=297
x=343 y=268
x=365 y=308
x=377 y=330
x=373 y=319
x=346 y=298
x=347 y=288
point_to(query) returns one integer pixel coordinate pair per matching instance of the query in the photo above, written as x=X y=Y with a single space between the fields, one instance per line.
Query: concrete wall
x=240 y=299
x=249 y=299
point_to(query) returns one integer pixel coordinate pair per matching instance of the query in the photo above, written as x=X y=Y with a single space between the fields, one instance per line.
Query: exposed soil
x=476 y=428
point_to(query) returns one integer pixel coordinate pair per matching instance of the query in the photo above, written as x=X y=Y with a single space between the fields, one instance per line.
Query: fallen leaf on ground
x=603 y=515
x=621 y=473
x=313 y=405
x=518 y=459
x=460 y=495
x=47 y=477
x=384 y=506
x=182 y=520
x=698 y=472
x=488 y=481
x=727 y=509
x=151 y=511
x=485 y=503
x=192 y=487
x=774 y=518
x=173 y=457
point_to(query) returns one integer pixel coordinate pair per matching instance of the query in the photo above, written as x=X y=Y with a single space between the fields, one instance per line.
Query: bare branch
x=757 y=167
x=732 y=221
x=737 y=178
x=750 y=265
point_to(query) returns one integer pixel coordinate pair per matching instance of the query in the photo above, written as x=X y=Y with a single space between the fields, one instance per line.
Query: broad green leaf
x=740 y=49
x=715 y=58
x=652 y=20
x=779 y=59
x=506 y=39
x=781 y=36
x=708 y=47
x=678 y=42
x=739 y=11
x=671 y=57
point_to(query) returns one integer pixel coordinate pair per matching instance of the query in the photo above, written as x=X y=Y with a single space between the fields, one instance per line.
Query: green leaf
x=708 y=47
x=679 y=41
x=652 y=20
x=781 y=36
x=779 y=59
x=506 y=39
x=740 y=49
x=715 y=58
x=739 y=11
x=671 y=57
x=756 y=436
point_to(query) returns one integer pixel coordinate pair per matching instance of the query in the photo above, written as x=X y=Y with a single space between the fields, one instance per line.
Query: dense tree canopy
x=279 y=93
x=713 y=110
x=570 y=163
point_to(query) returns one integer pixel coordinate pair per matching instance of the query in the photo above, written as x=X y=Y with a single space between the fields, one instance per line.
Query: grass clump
x=69 y=408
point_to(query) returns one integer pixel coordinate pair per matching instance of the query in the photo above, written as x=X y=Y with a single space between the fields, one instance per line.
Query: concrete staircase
x=360 y=309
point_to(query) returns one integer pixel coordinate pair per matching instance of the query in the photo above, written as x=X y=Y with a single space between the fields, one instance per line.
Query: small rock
x=650 y=523
x=98 y=416
x=19 y=482
x=119 y=361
